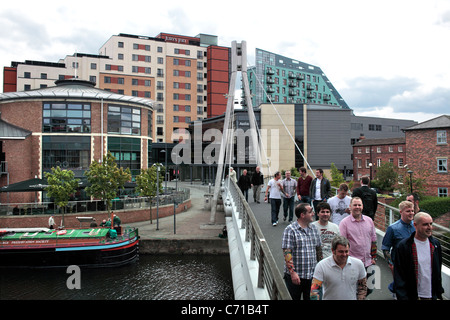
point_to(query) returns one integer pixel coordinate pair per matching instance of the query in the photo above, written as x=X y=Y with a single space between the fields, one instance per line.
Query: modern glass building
x=279 y=79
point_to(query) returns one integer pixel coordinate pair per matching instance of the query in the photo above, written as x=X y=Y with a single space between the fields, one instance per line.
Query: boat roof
x=11 y=234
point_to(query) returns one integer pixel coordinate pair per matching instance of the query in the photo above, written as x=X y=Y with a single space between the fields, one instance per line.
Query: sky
x=387 y=58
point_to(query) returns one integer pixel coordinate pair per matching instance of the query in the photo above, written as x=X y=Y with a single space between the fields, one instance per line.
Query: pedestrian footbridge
x=257 y=259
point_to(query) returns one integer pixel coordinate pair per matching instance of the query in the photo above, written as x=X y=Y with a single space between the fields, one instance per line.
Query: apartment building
x=279 y=79
x=174 y=71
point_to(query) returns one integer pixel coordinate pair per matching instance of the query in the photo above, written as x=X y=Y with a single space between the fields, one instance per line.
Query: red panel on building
x=9 y=79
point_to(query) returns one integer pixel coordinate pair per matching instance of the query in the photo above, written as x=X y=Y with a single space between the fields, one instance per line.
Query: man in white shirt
x=275 y=187
x=341 y=276
x=418 y=263
x=340 y=204
x=327 y=230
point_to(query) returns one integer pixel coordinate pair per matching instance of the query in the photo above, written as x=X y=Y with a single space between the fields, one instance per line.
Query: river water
x=204 y=277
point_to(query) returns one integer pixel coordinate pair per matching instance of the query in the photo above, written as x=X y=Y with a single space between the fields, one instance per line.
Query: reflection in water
x=151 y=278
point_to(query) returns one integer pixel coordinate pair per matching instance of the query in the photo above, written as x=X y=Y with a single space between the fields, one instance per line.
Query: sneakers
x=275 y=223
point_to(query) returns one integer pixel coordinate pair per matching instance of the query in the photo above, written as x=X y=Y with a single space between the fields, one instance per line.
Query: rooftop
x=76 y=89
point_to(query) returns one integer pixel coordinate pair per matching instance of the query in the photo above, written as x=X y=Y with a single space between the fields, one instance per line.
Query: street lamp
x=410 y=180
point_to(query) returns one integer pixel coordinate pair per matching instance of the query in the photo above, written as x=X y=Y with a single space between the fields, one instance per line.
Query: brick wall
x=70 y=220
x=421 y=156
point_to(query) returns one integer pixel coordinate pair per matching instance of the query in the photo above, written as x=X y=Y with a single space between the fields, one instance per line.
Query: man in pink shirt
x=360 y=232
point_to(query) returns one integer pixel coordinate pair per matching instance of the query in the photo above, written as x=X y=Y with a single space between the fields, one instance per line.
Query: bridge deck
x=273 y=237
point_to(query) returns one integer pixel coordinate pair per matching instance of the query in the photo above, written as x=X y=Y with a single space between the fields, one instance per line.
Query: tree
x=387 y=176
x=61 y=184
x=336 y=176
x=105 y=179
x=147 y=184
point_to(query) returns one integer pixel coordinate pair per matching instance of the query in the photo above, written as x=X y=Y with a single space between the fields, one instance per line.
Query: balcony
x=270 y=71
x=270 y=89
x=326 y=97
x=309 y=86
x=300 y=76
x=292 y=83
x=270 y=80
x=291 y=75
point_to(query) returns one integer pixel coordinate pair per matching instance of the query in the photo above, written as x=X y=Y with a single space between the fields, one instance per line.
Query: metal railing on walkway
x=269 y=277
x=128 y=203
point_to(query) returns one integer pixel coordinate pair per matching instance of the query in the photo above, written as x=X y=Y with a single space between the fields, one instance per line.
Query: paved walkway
x=190 y=224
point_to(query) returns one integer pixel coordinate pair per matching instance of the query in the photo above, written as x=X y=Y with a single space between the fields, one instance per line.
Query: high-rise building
x=279 y=79
x=186 y=77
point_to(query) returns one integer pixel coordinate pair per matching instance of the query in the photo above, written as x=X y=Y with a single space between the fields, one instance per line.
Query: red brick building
x=69 y=125
x=428 y=153
x=369 y=154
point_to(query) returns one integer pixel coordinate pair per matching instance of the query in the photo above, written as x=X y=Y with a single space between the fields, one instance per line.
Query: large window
x=124 y=120
x=127 y=152
x=66 y=117
x=66 y=152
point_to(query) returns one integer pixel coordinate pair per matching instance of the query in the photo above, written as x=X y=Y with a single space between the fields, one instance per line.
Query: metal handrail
x=269 y=276
x=85 y=206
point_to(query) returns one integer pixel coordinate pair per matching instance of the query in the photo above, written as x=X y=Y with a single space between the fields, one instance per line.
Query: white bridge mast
x=238 y=63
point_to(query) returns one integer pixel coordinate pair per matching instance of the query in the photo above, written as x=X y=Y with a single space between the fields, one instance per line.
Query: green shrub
x=435 y=206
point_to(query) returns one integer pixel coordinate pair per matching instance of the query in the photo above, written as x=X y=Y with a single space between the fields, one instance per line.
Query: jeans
x=275 y=205
x=245 y=193
x=306 y=199
x=288 y=204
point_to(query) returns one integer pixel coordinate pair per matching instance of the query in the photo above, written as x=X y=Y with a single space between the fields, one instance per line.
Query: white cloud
x=384 y=54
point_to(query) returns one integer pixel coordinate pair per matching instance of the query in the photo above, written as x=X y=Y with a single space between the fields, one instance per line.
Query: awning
x=34 y=184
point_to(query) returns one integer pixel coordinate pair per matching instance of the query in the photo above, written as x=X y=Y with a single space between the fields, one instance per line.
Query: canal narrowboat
x=89 y=247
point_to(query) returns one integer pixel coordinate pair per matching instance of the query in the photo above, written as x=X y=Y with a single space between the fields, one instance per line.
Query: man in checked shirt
x=290 y=189
x=301 y=244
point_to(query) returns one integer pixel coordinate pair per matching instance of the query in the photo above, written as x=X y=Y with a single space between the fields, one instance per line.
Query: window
x=378 y=149
x=67 y=152
x=124 y=120
x=391 y=149
x=378 y=162
x=120 y=44
x=150 y=123
x=442 y=165
x=374 y=127
x=442 y=192
x=359 y=163
x=27 y=75
x=43 y=76
x=441 y=137
x=93 y=66
x=400 y=148
x=400 y=162
x=127 y=152
x=66 y=117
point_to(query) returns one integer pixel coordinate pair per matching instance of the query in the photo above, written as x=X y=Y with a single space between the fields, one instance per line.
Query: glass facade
x=127 y=152
x=67 y=152
x=66 y=117
x=124 y=120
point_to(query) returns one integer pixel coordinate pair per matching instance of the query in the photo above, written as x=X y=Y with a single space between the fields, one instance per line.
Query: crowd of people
x=331 y=247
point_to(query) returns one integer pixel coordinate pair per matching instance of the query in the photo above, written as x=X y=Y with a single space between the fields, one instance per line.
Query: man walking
x=340 y=204
x=360 y=232
x=368 y=196
x=290 y=188
x=257 y=183
x=275 y=187
x=341 y=276
x=303 y=184
x=327 y=230
x=301 y=246
x=396 y=232
x=244 y=184
x=418 y=263
x=320 y=189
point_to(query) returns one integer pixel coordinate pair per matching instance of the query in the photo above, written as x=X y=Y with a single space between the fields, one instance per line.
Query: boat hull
x=83 y=254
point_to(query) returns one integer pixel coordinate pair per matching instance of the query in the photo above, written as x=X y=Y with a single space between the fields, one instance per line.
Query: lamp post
x=165 y=173
x=158 y=168
x=410 y=180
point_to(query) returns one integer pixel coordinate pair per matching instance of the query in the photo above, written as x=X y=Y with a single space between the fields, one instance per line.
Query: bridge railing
x=269 y=276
